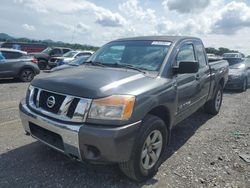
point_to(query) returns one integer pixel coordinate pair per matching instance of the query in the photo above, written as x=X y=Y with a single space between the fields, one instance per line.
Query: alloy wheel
x=218 y=100
x=151 y=150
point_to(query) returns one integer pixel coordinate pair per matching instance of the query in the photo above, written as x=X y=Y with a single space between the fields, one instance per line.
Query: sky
x=219 y=23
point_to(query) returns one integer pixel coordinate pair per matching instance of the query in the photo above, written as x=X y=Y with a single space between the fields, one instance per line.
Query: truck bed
x=218 y=70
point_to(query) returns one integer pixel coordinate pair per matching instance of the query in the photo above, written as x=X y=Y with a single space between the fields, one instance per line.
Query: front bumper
x=94 y=143
x=234 y=83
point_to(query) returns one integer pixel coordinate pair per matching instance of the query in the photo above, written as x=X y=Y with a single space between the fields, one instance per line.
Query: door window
x=201 y=55
x=186 y=53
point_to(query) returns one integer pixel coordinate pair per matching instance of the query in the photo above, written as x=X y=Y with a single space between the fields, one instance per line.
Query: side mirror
x=187 y=67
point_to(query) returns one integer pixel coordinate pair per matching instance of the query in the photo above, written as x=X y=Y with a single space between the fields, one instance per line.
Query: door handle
x=197 y=77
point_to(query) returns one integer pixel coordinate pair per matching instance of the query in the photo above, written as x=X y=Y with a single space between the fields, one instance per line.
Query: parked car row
x=74 y=63
x=68 y=57
x=19 y=64
x=49 y=53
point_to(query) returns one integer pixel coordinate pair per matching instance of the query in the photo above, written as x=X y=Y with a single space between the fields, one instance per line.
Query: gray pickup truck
x=121 y=106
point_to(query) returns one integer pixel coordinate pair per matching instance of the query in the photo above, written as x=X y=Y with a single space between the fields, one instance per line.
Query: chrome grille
x=66 y=107
x=60 y=103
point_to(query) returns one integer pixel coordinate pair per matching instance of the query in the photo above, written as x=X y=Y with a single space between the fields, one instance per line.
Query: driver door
x=187 y=84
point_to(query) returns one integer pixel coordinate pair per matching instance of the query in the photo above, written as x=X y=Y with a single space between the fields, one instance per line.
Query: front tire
x=148 y=150
x=213 y=106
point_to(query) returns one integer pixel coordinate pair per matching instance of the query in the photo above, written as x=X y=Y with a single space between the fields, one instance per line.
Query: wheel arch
x=163 y=113
x=25 y=67
x=222 y=82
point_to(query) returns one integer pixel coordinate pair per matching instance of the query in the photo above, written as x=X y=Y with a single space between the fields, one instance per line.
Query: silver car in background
x=17 y=64
x=239 y=73
x=68 y=57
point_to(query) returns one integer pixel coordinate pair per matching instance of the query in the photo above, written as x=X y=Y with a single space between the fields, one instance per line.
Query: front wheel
x=148 y=151
x=213 y=106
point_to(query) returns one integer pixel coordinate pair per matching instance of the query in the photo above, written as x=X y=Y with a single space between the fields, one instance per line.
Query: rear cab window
x=201 y=55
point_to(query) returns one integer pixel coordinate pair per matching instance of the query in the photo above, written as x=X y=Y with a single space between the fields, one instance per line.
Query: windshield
x=70 y=54
x=47 y=50
x=145 y=55
x=80 y=60
x=234 y=61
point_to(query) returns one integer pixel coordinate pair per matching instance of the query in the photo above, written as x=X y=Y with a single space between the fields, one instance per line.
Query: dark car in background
x=239 y=73
x=17 y=64
x=75 y=63
x=49 y=54
x=27 y=47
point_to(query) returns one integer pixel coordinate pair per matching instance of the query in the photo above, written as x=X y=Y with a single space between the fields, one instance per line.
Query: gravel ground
x=204 y=151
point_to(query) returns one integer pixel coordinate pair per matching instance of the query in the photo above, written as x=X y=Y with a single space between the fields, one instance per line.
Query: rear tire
x=244 y=85
x=147 y=154
x=213 y=106
x=26 y=75
x=42 y=64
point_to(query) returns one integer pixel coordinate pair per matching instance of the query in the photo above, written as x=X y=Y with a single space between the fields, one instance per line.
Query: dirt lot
x=204 y=151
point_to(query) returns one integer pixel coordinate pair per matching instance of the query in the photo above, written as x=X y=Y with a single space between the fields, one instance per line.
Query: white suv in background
x=68 y=57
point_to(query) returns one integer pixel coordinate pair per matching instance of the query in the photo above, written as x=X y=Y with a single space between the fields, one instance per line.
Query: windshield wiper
x=126 y=66
x=95 y=63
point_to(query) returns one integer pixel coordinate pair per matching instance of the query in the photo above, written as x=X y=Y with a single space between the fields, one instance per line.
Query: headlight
x=116 y=107
x=28 y=93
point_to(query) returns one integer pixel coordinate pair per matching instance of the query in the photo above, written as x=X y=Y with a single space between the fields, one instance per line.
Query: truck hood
x=95 y=82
